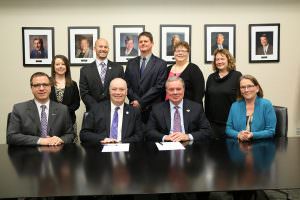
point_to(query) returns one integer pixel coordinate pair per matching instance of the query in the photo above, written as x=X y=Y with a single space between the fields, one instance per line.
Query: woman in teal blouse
x=251 y=116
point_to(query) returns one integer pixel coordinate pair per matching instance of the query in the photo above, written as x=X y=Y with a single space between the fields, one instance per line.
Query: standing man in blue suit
x=145 y=76
x=95 y=77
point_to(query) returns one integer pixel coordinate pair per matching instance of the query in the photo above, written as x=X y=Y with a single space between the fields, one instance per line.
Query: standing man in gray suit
x=40 y=121
x=95 y=77
x=145 y=76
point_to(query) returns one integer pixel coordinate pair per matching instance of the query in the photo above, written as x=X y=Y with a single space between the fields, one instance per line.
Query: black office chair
x=8 y=120
x=85 y=114
x=282 y=121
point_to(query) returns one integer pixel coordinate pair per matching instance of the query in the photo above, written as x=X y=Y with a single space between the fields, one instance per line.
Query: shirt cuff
x=191 y=137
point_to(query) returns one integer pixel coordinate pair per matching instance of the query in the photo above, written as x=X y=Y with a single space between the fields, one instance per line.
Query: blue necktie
x=143 y=66
x=177 y=120
x=114 y=125
x=44 y=122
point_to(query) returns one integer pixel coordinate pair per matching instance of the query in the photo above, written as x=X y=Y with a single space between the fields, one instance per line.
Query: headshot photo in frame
x=81 y=42
x=38 y=46
x=169 y=36
x=264 y=43
x=126 y=42
x=218 y=36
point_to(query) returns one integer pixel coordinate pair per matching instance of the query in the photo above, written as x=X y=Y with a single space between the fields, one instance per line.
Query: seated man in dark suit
x=40 y=121
x=177 y=119
x=95 y=77
x=113 y=121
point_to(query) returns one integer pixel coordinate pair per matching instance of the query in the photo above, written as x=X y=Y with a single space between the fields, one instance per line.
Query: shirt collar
x=180 y=105
x=101 y=61
x=113 y=106
x=38 y=104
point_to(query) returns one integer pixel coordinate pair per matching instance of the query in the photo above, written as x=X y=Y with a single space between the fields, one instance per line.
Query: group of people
x=165 y=102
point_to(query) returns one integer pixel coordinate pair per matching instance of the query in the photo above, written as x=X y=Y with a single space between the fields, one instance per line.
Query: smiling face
x=248 y=89
x=129 y=44
x=145 y=45
x=220 y=39
x=175 y=91
x=84 y=45
x=264 y=40
x=118 y=91
x=41 y=88
x=181 y=54
x=221 y=62
x=37 y=45
x=59 y=66
x=101 y=48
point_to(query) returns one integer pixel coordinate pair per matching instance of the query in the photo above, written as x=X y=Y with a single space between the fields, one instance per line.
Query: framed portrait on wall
x=126 y=42
x=218 y=36
x=264 y=43
x=80 y=42
x=169 y=35
x=38 y=46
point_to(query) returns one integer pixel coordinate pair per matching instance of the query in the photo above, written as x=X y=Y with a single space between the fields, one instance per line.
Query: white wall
x=280 y=81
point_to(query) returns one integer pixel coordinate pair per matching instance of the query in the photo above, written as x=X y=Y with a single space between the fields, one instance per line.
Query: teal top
x=263 y=123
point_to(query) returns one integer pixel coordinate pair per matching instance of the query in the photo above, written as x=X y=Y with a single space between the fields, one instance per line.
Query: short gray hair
x=174 y=78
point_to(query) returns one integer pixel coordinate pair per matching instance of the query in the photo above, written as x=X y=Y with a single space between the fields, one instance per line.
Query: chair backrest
x=7 y=123
x=84 y=117
x=282 y=121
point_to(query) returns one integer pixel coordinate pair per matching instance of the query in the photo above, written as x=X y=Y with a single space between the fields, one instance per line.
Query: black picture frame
x=260 y=34
x=211 y=34
x=167 y=33
x=81 y=40
x=38 y=46
x=122 y=35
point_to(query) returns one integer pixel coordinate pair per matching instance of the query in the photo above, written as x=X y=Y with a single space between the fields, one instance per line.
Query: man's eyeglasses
x=38 y=85
x=248 y=87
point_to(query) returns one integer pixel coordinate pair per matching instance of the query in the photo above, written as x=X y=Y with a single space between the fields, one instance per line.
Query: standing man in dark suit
x=113 y=121
x=40 y=121
x=95 y=77
x=145 y=76
x=177 y=119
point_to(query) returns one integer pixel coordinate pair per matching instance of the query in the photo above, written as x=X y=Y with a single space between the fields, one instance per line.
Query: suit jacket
x=260 y=50
x=96 y=126
x=87 y=54
x=133 y=52
x=91 y=88
x=215 y=46
x=195 y=122
x=24 y=126
x=149 y=88
x=71 y=99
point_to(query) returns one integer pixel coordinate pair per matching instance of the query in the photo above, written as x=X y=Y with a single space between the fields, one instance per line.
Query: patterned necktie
x=103 y=72
x=44 y=122
x=177 y=120
x=114 y=125
x=143 y=66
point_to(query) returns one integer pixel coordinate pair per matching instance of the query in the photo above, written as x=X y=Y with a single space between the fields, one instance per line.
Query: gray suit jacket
x=24 y=126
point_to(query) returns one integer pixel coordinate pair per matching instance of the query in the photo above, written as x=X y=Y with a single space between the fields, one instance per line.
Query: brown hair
x=146 y=34
x=68 y=70
x=230 y=58
x=260 y=92
x=38 y=74
x=182 y=44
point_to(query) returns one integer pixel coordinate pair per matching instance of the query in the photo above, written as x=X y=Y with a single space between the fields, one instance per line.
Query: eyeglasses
x=181 y=51
x=248 y=87
x=38 y=85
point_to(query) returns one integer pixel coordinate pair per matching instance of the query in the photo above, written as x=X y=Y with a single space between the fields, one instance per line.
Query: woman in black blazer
x=189 y=72
x=64 y=89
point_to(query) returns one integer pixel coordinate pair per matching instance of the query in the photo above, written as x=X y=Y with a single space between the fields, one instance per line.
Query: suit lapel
x=186 y=115
x=52 y=115
x=108 y=73
x=95 y=73
x=148 y=67
x=33 y=113
x=107 y=118
x=126 y=116
x=167 y=115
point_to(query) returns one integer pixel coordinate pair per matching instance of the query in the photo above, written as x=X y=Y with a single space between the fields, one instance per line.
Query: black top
x=194 y=82
x=71 y=99
x=220 y=94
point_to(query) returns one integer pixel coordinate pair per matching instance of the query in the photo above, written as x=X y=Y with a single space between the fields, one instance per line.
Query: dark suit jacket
x=260 y=50
x=96 y=126
x=24 y=127
x=133 y=52
x=195 y=122
x=71 y=99
x=91 y=88
x=149 y=88
x=214 y=47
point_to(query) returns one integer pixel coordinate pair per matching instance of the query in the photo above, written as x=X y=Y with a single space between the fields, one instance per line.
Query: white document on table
x=122 y=147
x=166 y=146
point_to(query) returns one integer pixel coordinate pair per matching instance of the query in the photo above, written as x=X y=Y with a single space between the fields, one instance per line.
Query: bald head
x=118 y=91
x=101 y=48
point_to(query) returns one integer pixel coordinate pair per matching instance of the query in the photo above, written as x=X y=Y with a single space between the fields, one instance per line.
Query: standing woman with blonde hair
x=64 y=89
x=221 y=90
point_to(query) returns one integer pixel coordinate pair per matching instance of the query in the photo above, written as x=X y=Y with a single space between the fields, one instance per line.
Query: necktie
x=44 y=122
x=103 y=72
x=177 y=120
x=114 y=125
x=143 y=66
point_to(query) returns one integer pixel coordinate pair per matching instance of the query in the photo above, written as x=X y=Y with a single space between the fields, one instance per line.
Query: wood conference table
x=76 y=170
